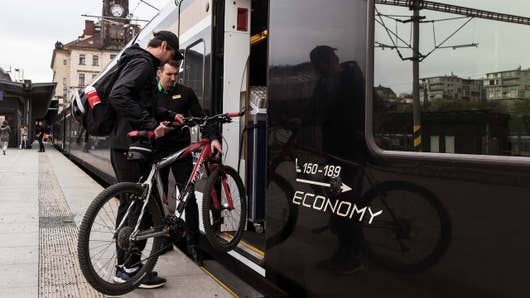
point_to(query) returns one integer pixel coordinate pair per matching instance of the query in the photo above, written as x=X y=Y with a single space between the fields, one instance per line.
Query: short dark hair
x=155 y=42
x=174 y=63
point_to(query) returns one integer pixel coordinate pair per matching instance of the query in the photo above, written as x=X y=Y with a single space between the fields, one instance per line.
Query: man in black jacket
x=132 y=97
x=182 y=100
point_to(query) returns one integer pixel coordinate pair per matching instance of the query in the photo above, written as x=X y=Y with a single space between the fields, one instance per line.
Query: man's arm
x=163 y=114
x=132 y=78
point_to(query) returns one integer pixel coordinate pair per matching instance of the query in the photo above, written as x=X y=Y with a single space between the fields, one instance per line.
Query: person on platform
x=4 y=135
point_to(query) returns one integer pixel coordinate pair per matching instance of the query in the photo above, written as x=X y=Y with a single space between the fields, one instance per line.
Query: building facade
x=508 y=85
x=451 y=88
x=78 y=62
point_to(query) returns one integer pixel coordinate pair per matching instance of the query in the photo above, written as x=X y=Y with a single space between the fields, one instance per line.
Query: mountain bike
x=148 y=220
x=411 y=234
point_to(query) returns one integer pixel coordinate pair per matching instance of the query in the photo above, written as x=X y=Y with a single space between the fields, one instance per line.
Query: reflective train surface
x=385 y=150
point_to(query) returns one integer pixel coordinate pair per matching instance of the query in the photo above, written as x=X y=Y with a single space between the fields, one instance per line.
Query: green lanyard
x=164 y=91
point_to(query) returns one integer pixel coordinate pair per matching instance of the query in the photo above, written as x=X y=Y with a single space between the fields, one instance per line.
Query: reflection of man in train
x=338 y=110
x=182 y=100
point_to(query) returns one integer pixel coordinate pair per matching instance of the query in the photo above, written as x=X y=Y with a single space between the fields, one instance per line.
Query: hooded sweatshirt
x=4 y=133
x=132 y=97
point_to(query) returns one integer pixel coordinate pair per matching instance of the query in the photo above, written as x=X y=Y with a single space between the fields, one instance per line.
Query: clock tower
x=116 y=29
x=116 y=8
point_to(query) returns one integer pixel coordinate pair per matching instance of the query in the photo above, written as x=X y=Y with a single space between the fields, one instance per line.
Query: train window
x=471 y=94
x=194 y=69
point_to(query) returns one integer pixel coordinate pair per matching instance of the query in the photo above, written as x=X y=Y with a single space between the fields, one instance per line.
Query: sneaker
x=150 y=281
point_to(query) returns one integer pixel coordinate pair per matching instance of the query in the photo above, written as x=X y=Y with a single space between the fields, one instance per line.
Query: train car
x=347 y=197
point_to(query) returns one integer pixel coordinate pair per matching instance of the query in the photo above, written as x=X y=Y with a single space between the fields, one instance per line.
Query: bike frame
x=153 y=178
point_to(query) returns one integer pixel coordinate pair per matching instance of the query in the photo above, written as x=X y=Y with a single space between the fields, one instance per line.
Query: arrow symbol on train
x=343 y=187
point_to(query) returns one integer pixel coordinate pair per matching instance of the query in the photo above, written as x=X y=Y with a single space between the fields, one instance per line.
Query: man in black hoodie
x=132 y=97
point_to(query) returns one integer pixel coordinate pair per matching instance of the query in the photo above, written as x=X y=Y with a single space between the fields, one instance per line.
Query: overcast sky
x=501 y=46
x=29 y=30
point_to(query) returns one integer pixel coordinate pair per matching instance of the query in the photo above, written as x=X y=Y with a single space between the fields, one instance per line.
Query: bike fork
x=228 y=194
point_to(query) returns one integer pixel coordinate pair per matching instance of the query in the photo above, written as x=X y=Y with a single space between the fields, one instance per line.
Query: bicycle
x=148 y=220
x=411 y=234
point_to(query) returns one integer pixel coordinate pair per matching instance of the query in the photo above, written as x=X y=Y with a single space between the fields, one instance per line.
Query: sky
x=29 y=30
x=501 y=46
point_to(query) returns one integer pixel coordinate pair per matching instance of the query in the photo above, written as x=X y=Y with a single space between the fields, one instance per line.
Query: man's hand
x=217 y=146
x=179 y=120
x=161 y=130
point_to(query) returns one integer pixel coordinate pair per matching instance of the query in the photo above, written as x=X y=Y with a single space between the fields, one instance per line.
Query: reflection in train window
x=194 y=70
x=473 y=94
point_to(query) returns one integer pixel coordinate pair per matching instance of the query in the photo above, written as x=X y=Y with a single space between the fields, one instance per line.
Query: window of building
x=95 y=60
x=64 y=82
x=435 y=143
x=81 y=79
x=64 y=62
x=112 y=56
x=94 y=75
x=82 y=59
x=482 y=108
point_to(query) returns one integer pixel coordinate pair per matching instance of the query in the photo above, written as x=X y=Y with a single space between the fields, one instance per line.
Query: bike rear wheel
x=224 y=208
x=413 y=231
x=98 y=241
x=281 y=222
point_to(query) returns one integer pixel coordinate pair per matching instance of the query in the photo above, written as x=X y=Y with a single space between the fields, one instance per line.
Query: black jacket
x=182 y=100
x=132 y=97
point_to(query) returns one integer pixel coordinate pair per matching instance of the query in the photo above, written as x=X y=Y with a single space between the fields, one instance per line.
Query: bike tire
x=390 y=196
x=224 y=238
x=275 y=235
x=99 y=275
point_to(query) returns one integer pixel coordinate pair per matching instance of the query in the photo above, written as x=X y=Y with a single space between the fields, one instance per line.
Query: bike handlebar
x=205 y=121
x=190 y=121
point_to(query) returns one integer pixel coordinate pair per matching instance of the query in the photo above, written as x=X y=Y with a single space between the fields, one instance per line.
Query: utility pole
x=417 y=57
x=416 y=75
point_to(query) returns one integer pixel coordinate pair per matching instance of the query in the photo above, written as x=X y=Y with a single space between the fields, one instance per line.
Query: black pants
x=181 y=172
x=348 y=230
x=41 y=144
x=129 y=171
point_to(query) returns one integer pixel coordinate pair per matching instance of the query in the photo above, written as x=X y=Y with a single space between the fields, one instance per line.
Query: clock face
x=116 y=10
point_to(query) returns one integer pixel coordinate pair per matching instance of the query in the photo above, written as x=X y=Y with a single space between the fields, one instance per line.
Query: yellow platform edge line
x=249 y=246
x=219 y=282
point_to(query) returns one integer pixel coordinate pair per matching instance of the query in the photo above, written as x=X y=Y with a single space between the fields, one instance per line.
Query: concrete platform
x=43 y=197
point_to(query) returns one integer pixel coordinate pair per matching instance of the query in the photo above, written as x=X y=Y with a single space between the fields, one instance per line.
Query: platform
x=43 y=197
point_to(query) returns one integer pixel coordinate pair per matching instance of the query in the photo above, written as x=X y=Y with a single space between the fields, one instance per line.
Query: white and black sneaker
x=150 y=281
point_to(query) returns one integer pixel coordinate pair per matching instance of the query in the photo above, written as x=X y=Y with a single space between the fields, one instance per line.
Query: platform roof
x=39 y=94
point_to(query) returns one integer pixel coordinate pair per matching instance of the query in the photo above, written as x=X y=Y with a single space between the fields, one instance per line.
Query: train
x=350 y=191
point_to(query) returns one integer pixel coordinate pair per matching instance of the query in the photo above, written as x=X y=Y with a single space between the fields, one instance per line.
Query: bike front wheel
x=224 y=208
x=413 y=230
x=100 y=247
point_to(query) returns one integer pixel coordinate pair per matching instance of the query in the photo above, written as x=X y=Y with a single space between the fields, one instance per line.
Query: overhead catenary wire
x=150 y=5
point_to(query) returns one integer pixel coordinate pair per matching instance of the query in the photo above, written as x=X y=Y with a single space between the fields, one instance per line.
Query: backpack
x=91 y=105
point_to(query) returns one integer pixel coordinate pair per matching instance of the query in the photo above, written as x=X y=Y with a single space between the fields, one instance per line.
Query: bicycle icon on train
x=398 y=225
